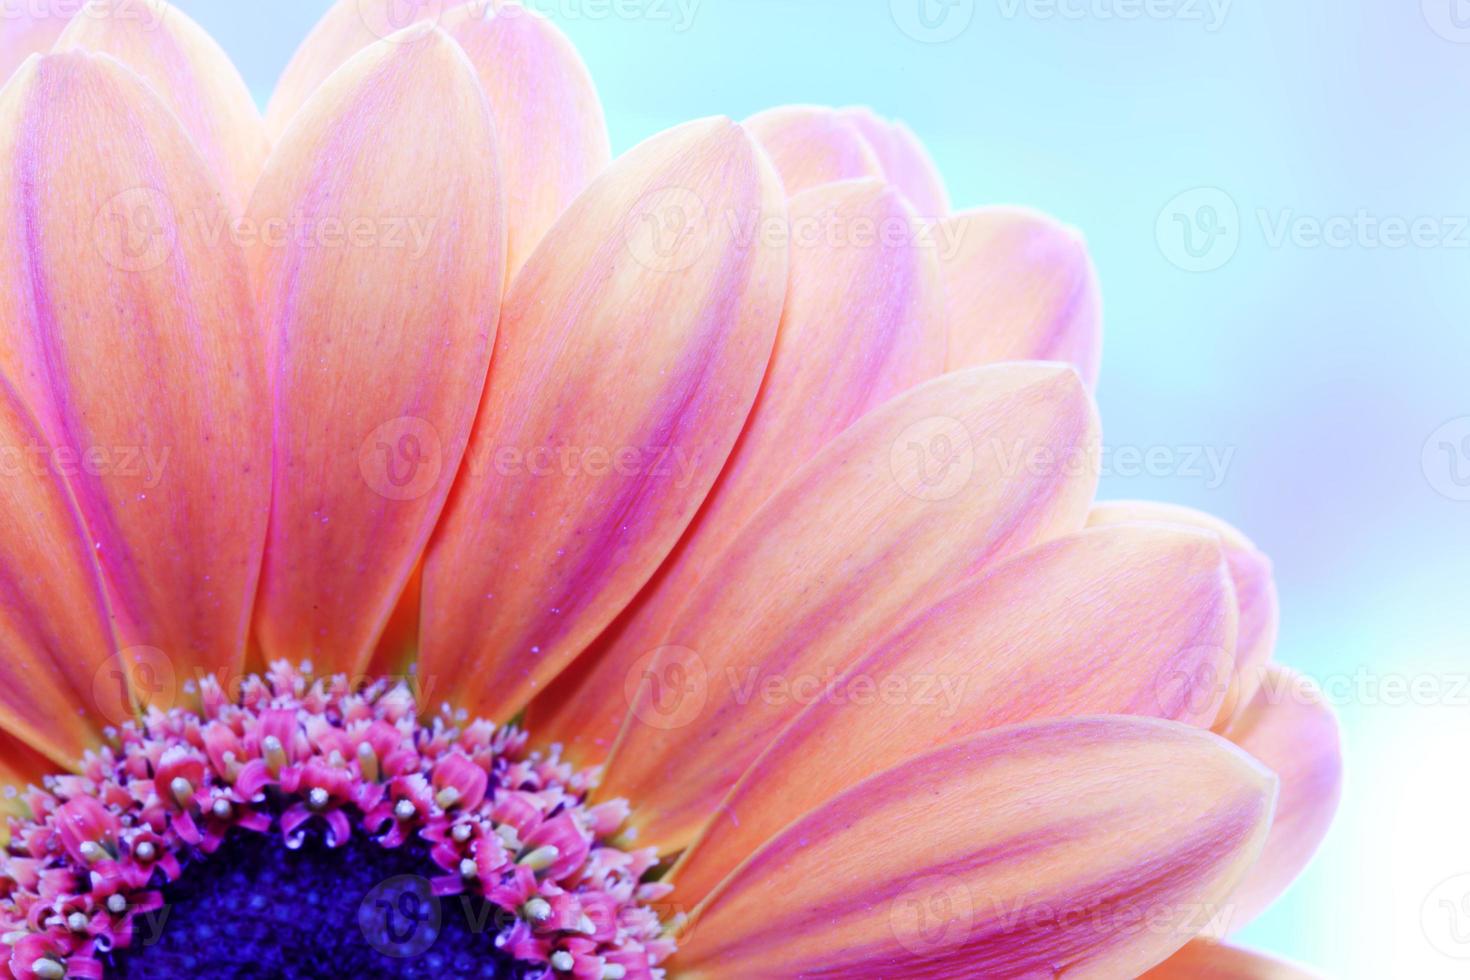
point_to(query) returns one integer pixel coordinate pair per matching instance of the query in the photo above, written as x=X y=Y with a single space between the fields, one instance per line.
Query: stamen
x=275 y=755
x=367 y=761
x=76 y=922
x=221 y=808
x=91 y=851
x=116 y=904
x=447 y=797
x=145 y=851
x=318 y=798
x=182 y=790
x=404 y=810
x=49 y=969
x=537 y=910
x=541 y=858
x=562 y=960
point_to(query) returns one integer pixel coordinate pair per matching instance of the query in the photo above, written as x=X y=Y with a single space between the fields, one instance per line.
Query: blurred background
x=1275 y=196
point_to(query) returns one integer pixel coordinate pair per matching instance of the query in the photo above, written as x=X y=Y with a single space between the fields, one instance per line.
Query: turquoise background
x=1326 y=371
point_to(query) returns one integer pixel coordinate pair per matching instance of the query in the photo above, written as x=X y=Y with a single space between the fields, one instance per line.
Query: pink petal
x=1292 y=730
x=811 y=146
x=548 y=120
x=915 y=496
x=1099 y=844
x=631 y=349
x=345 y=29
x=905 y=161
x=863 y=322
x=380 y=304
x=1111 y=621
x=1203 y=960
x=53 y=623
x=31 y=28
x=130 y=332
x=1021 y=287
x=193 y=76
x=1255 y=591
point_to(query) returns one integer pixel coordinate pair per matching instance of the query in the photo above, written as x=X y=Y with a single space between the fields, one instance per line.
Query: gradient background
x=1326 y=371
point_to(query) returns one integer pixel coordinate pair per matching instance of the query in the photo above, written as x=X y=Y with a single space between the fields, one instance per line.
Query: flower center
x=307 y=828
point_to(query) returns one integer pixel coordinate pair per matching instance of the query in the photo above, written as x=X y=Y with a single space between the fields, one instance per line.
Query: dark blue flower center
x=256 y=909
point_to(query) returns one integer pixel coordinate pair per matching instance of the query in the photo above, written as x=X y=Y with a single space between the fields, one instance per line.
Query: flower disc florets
x=304 y=826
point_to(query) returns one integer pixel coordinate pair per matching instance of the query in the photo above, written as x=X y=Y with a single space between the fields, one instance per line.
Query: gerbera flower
x=431 y=549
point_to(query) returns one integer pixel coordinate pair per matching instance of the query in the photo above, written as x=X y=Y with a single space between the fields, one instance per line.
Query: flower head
x=426 y=544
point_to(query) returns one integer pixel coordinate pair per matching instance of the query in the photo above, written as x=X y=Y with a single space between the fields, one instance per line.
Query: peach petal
x=1292 y=730
x=863 y=322
x=380 y=304
x=1203 y=960
x=1255 y=591
x=193 y=76
x=131 y=334
x=1021 y=287
x=53 y=624
x=906 y=162
x=552 y=136
x=812 y=145
x=1116 y=620
x=631 y=350
x=31 y=28
x=1094 y=843
x=916 y=495
x=344 y=30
